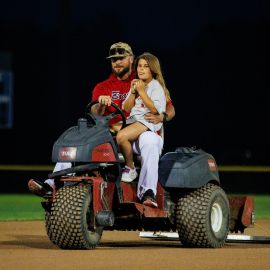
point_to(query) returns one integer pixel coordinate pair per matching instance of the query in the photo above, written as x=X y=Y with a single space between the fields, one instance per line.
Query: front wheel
x=70 y=224
x=202 y=217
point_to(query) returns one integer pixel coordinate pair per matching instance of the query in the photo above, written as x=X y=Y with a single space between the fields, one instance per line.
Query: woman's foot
x=129 y=174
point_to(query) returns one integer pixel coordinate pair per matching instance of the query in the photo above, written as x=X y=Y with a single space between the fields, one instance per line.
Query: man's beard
x=121 y=73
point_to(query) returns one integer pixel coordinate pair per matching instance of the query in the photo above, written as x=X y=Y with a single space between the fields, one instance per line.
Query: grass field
x=28 y=207
x=20 y=207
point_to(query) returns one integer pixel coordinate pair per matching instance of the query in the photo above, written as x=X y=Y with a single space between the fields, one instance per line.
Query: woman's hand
x=133 y=86
x=133 y=83
x=140 y=86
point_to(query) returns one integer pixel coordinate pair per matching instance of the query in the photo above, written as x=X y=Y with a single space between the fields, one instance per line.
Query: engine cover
x=85 y=143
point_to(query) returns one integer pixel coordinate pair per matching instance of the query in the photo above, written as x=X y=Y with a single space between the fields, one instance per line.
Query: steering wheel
x=108 y=117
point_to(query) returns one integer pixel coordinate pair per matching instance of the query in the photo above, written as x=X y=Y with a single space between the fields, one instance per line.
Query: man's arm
x=157 y=118
x=170 y=112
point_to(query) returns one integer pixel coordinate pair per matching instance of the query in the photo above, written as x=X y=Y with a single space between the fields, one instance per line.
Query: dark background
x=214 y=56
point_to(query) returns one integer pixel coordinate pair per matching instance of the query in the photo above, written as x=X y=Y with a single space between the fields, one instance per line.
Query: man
x=149 y=144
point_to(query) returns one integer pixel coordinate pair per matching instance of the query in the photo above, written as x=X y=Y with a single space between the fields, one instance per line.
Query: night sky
x=214 y=56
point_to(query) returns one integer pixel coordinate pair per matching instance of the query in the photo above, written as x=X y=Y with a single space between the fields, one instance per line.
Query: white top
x=155 y=91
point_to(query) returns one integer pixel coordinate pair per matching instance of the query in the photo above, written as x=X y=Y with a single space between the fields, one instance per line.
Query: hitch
x=241 y=213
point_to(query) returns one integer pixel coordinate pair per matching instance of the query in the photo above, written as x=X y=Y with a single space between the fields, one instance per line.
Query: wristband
x=165 y=117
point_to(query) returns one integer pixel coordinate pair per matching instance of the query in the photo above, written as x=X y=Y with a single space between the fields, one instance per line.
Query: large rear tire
x=202 y=217
x=70 y=223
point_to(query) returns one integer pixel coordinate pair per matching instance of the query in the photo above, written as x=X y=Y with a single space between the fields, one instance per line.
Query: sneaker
x=129 y=174
x=149 y=199
x=39 y=188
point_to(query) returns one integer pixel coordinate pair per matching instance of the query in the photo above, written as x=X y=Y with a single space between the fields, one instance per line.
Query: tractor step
x=232 y=238
x=147 y=211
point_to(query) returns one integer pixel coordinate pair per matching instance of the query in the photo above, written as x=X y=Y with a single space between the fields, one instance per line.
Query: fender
x=187 y=168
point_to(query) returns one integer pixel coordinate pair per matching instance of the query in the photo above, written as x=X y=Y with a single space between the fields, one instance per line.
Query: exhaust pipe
x=105 y=218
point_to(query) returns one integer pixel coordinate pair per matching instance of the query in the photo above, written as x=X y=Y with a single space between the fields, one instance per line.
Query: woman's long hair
x=155 y=68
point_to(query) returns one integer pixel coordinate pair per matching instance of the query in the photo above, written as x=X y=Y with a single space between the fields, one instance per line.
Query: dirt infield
x=24 y=245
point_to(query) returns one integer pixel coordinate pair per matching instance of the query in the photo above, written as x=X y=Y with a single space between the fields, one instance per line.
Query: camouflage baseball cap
x=120 y=49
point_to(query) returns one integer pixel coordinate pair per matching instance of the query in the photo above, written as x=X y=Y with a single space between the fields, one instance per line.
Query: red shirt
x=116 y=89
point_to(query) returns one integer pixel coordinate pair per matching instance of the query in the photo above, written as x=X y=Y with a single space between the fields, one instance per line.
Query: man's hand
x=154 y=118
x=105 y=100
x=99 y=108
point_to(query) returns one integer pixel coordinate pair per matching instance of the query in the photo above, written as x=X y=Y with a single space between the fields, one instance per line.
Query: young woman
x=148 y=93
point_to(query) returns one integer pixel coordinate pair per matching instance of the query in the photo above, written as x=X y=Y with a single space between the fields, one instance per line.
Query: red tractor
x=89 y=197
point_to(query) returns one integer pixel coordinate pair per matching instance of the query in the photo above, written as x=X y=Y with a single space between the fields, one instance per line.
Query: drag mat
x=25 y=245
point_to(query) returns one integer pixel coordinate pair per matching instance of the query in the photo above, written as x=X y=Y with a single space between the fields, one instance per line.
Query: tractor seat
x=136 y=158
x=121 y=157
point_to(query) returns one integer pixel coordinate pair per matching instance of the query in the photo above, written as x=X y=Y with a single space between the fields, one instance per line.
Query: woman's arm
x=140 y=87
x=129 y=102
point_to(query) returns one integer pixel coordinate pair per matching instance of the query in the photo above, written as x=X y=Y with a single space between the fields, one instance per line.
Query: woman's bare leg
x=125 y=137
